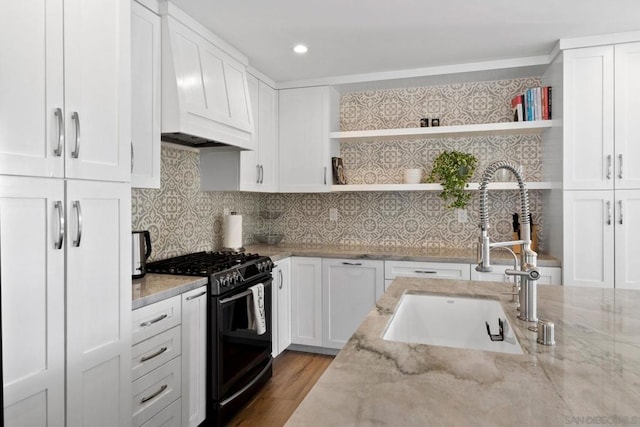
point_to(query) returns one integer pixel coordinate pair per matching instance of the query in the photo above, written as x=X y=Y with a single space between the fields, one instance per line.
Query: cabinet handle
x=132 y=156
x=58 y=206
x=58 y=150
x=257 y=174
x=281 y=279
x=608 y=213
x=325 y=175
x=154 y=355
x=151 y=396
x=196 y=296
x=152 y=321
x=76 y=120
x=620 y=206
x=261 y=174
x=425 y=271
x=351 y=263
x=76 y=206
x=620 y=168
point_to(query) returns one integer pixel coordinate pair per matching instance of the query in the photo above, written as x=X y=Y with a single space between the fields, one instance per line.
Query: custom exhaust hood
x=205 y=97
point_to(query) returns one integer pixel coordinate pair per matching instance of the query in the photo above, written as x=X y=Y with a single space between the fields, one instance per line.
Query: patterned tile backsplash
x=183 y=219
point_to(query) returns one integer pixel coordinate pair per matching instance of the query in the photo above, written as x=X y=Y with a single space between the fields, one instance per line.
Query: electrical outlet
x=333 y=214
x=226 y=211
x=462 y=215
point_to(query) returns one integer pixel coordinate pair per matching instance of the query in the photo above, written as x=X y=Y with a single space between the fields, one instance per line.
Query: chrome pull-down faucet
x=528 y=272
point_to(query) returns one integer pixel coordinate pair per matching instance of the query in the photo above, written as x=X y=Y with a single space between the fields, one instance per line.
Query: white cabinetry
x=145 y=97
x=157 y=364
x=194 y=356
x=350 y=290
x=98 y=306
x=306 y=116
x=602 y=154
x=68 y=112
x=306 y=301
x=425 y=270
x=281 y=306
x=32 y=278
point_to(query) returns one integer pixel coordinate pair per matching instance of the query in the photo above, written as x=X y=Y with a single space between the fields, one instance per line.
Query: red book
x=517 y=108
x=545 y=107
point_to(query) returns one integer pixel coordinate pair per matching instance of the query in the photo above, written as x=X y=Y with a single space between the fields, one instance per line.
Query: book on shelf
x=533 y=104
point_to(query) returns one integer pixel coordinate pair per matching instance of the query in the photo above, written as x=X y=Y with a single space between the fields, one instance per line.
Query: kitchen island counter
x=591 y=376
x=467 y=256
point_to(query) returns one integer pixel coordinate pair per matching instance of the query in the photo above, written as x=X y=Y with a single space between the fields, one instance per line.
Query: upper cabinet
x=204 y=88
x=63 y=90
x=306 y=116
x=145 y=97
x=601 y=100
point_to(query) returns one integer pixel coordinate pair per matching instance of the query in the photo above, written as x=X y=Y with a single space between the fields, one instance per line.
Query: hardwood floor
x=294 y=373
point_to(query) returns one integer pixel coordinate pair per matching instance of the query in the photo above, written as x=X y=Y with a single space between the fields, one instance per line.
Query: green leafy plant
x=453 y=169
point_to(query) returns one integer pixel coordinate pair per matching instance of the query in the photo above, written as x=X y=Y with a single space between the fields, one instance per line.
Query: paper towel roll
x=233 y=231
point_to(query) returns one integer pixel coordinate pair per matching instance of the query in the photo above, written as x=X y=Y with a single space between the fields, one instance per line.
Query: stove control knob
x=222 y=282
x=260 y=266
x=269 y=263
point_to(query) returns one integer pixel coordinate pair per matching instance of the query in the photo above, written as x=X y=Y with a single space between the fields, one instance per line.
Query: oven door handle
x=235 y=297
x=248 y=386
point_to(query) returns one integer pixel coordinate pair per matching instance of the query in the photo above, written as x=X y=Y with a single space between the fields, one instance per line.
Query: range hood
x=205 y=97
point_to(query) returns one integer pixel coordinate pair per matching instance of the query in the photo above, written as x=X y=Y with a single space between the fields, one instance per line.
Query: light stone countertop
x=591 y=376
x=466 y=256
x=157 y=287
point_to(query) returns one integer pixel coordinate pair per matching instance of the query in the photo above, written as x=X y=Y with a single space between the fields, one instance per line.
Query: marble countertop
x=466 y=256
x=157 y=287
x=591 y=376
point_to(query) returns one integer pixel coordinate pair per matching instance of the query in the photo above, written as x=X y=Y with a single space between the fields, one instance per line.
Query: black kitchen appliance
x=239 y=359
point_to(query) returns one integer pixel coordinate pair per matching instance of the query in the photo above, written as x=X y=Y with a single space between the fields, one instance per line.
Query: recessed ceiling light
x=300 y=48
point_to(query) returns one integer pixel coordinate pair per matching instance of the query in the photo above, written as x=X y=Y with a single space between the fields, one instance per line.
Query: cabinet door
x=627 y=107
x=31 y=84
x=32 y=277
x=249 y=160
x=98 y=307
x=588 y=118
x=267 y=131
x=283 y=315
x=145 y=97
x=97 y=89
x=306 y=301
x=304 y=122
x=627 y=238
x=350 y=290
x=194 y=356
x=588 y=244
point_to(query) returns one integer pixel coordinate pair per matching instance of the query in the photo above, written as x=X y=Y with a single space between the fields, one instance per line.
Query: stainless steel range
x=239 y=358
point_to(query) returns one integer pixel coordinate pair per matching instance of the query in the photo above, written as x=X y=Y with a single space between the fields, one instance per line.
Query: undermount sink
x=450 y=322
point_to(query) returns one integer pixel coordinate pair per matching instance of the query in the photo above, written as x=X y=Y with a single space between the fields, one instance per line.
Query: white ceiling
x=347 y=37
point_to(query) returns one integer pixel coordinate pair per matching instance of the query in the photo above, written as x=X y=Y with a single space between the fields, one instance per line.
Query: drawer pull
x=352 y=263
x=196 y=296
x=148 y=398
x=425 y=271
x=151 y=356
x=152 y=321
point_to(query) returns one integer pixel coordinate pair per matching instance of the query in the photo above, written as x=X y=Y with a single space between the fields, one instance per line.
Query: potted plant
x=453 y=169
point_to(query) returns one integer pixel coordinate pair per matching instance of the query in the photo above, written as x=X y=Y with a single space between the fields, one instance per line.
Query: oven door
x=243 y=356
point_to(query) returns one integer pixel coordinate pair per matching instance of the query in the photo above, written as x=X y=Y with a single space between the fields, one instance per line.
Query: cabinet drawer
x=439 y=270
x=155 y=318
x=156 y=390
x=168 y=417
x=151 y=353
x=548 y=275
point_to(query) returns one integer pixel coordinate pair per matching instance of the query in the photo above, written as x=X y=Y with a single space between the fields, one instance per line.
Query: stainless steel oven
x=240 y=358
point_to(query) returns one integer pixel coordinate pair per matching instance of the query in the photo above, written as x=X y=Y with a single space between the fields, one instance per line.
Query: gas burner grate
x=200 y=263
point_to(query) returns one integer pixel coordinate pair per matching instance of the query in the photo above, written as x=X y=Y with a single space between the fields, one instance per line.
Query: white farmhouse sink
x=450 y=322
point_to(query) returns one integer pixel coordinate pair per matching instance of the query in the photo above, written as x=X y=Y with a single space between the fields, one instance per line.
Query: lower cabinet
x=350 y=289
x=156 y=360
x=331 y=297
x=171 y=416
x=281 y=310
x=194 y=356
x=306 y=301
